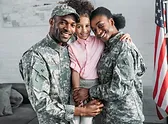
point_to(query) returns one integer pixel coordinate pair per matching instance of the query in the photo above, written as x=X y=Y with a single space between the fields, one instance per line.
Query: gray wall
x=140 y=25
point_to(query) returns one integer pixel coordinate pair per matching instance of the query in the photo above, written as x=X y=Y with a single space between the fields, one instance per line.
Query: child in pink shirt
x=84 y=54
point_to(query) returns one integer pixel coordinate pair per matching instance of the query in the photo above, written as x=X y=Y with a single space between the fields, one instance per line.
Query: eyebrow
x=98 y=22
x=63 y=19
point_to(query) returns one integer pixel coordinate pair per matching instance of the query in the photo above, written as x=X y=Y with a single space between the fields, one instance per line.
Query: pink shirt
x=84 y=56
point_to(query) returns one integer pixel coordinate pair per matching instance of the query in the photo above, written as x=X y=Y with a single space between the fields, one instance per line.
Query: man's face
x=102 y=27
x=62 y=27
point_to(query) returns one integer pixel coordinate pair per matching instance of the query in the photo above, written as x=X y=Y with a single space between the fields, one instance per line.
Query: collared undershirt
x=84 y=56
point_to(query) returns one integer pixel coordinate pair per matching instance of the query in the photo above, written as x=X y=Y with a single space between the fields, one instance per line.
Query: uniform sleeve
x=74 y=63
x=140 y=69
x=36 y=75
x=121 y=81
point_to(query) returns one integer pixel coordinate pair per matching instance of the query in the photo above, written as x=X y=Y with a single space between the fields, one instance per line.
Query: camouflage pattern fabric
x=45 y=69
x=120 y=70
x=63 y=10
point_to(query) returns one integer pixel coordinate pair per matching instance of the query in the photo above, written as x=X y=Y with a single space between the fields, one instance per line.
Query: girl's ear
x=51 y=21
x=111 y=21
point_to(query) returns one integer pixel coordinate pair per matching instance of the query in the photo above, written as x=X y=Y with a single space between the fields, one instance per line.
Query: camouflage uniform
x=120 y=69
x=45 y=69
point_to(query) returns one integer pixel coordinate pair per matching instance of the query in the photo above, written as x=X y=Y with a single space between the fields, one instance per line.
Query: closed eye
x=100 y=25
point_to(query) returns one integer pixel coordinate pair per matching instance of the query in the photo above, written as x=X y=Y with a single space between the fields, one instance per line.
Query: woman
x=120 y=69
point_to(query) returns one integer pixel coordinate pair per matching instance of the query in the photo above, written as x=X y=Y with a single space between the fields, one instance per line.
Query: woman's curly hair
x=82 y=7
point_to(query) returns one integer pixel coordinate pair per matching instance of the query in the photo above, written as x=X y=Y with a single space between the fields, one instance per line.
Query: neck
x=114 y=33
x=63 y=43
x=56 y=40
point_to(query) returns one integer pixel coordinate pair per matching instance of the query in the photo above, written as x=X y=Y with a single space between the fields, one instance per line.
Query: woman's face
x=102 y=27
x=83 y=28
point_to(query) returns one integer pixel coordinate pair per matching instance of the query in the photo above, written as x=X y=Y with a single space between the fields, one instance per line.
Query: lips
x=84 y=35
x=65 y=35
x=102 y=35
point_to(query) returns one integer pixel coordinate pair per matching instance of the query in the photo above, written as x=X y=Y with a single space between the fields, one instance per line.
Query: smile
x=102 y=35
x=84 y=35
x=65 y=35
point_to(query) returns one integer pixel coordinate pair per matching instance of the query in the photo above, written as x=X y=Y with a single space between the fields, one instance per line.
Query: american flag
x=160 y=91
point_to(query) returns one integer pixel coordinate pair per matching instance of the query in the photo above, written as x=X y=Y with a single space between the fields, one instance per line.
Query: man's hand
x=80 y=94
x=92 y=108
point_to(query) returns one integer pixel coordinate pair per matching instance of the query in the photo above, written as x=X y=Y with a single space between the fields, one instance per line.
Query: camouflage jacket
x=120 y=70
x=45 y=69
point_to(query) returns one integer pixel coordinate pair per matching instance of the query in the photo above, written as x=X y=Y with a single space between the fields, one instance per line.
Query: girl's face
x=83 y=28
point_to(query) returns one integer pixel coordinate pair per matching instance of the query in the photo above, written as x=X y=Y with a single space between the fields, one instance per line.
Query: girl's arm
x=75 y=79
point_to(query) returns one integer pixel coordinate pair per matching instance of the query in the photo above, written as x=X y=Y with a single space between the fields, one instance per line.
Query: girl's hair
x=82 y=7
x=119 y=20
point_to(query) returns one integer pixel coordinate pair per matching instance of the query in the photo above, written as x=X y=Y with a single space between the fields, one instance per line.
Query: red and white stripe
x=160 y=93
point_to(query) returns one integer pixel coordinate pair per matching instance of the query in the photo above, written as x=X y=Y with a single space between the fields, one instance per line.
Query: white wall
x=140 y=25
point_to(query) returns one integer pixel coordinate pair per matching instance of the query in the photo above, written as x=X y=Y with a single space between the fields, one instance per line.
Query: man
x=45 y=69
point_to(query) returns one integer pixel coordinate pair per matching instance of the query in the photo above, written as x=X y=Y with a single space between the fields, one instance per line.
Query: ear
x=51 y=21
x=111 y=21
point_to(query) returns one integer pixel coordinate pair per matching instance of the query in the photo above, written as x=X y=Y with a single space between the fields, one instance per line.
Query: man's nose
x=68 y=27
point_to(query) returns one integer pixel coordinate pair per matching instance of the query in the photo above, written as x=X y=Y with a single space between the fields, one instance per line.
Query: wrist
x=75 y=88
x=83 y=111
x=80 y=111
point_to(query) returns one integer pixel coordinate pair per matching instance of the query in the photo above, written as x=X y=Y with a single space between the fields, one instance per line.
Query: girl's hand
x=80 y=95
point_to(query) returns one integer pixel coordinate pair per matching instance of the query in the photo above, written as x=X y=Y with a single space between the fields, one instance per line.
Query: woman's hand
x=126 y=37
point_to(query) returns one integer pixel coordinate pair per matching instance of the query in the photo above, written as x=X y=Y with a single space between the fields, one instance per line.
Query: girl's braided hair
x=82 y=7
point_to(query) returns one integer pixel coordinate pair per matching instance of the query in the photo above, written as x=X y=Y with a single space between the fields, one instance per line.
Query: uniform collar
x=54 y=44
x=113 y=40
